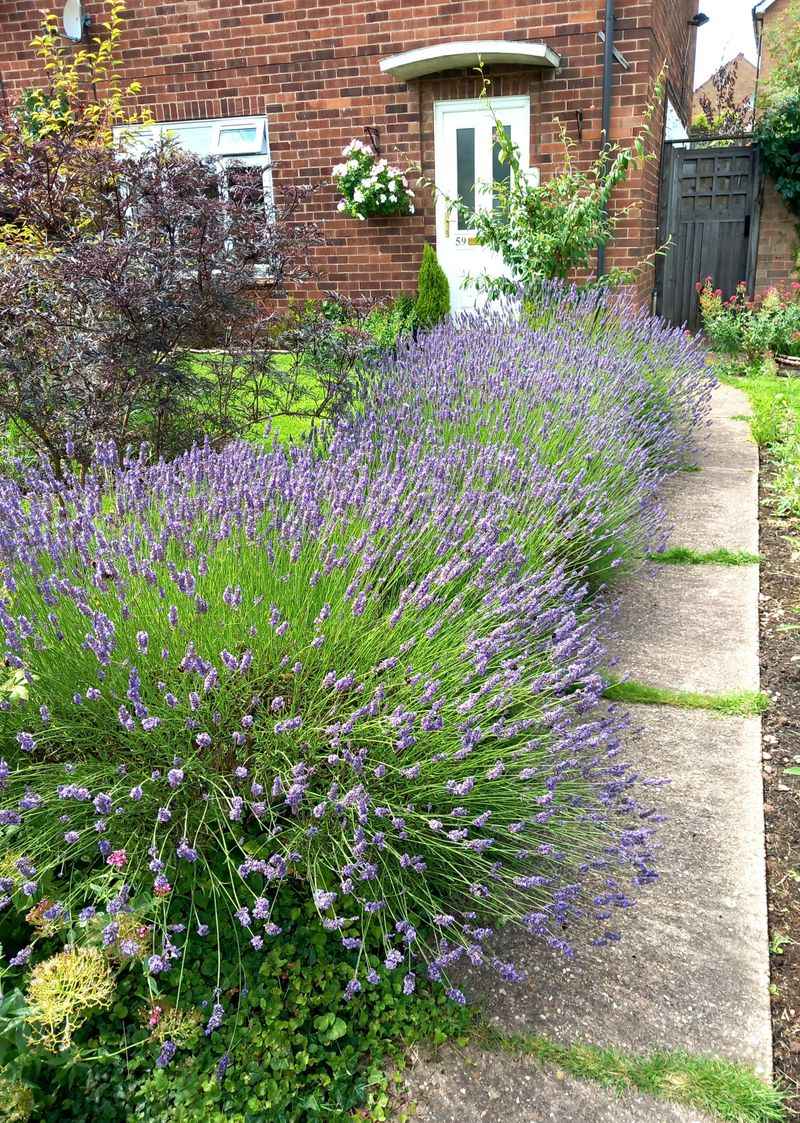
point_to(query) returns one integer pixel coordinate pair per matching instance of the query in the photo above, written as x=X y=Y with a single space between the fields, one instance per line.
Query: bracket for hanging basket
x=373 y=136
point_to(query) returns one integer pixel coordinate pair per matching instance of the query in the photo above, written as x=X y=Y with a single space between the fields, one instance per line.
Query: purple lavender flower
x=168 y=1051
x=22 y=957
x=215 y=1020
x=437 y=560
x=186 y=852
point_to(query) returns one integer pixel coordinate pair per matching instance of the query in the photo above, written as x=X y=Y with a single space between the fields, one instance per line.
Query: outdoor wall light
x=700 y=20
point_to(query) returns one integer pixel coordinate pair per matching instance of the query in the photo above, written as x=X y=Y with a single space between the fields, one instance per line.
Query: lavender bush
x=368 y=669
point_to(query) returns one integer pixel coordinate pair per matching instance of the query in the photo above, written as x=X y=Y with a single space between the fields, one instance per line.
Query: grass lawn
x=284 y=426
x=775 y=424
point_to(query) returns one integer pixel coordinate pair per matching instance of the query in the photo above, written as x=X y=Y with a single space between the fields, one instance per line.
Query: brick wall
x=778 y=239
x=312 y=67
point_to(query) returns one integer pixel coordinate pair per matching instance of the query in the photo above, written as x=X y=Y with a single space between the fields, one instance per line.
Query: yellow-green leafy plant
x=75 y=75
x=49 y=136
x=13 y=685
x=63 y=990
x=16 y=1101
x=169 y=1023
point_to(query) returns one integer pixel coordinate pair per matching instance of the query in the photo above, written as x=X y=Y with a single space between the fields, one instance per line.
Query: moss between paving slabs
x=739 y=703
x=682 y=555
x=731 y=1092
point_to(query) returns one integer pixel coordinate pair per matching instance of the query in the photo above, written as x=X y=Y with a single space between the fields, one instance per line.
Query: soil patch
x=780 y=677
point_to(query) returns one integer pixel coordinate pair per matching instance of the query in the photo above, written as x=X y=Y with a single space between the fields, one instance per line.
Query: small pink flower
x=155 y=1017
x=117 y=858
x=161 y=886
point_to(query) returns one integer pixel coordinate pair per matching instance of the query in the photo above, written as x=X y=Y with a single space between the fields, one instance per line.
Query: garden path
x=691 y=972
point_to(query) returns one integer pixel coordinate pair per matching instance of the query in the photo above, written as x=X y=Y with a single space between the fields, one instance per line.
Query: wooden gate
x=709 y=211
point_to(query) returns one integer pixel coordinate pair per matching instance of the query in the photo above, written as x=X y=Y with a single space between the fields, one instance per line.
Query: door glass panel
x=501 y=172
x=465 y=173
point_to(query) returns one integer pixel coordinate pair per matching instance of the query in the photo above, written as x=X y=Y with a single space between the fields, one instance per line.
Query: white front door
x=467 y=163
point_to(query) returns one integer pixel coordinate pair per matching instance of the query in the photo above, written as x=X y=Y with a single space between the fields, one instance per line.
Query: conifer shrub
x=433 y=291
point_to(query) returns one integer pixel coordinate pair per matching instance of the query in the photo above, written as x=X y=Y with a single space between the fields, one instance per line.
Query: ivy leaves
x=778 y=133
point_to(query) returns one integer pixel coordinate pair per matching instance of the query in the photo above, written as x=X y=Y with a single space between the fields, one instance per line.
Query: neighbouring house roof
x=454 y=55
x=746 y=78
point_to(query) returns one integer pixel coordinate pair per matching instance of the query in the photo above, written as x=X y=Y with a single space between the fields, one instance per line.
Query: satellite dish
x=74 y=19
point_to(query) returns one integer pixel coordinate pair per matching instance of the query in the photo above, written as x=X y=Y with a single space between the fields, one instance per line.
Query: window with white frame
x=235 y=144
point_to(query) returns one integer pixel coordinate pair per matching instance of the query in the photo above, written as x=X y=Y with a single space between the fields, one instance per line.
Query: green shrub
x=754 y=329
x=777 y=132
x=433 y=296
x=386 y=323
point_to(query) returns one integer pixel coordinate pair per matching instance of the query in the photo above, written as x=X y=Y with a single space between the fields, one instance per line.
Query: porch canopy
x=455 y=55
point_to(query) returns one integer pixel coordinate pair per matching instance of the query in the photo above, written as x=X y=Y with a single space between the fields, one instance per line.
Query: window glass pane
x=465 y=172
x=194 y=138
x=500 y=171
x=239 y=138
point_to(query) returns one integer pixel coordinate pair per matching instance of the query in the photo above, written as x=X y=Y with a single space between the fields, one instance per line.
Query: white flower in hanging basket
x=370 y=185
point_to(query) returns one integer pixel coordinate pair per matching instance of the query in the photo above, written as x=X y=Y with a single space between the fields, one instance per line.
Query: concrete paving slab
x=713 y=509
x=691 y=971
x=728 y=443
x=480 y=1087
x=688 y=628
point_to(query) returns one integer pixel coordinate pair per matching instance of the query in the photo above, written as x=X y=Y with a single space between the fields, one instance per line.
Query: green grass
x=729 y=1091
x=775 y=425
x=282 y=427
x=771 y=397
x=739 y=703
x=682 y=555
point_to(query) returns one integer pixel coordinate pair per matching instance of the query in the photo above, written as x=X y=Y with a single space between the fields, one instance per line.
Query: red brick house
x=778 y=243
x=292 y=81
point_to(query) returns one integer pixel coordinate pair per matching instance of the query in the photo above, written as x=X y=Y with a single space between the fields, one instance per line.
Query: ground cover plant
x=361 y=672
x=775 y=425
x=719 y=1088
x=296 y=1050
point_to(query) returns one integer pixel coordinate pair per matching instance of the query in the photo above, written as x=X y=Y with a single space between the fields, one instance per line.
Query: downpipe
x=608 y=76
